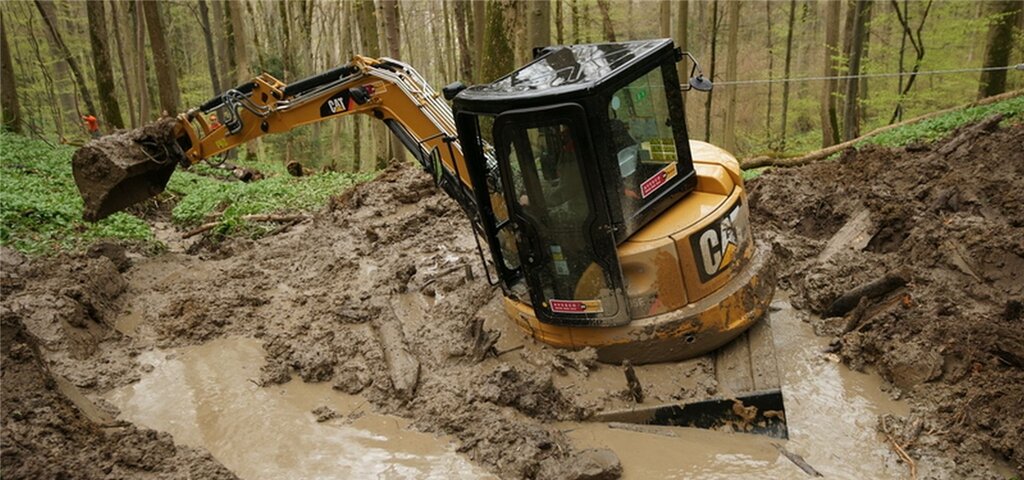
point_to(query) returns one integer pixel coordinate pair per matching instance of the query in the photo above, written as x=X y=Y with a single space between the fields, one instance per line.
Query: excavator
x=604 y=224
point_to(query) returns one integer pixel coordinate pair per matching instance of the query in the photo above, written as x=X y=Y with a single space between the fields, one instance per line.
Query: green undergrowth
x=933 y=129
x=41 y=211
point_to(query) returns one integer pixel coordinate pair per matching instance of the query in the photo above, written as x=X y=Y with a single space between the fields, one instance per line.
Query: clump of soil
x=124 y=168
x=950 y=217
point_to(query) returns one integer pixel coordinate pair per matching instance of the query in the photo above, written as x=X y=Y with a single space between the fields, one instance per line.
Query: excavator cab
x=589 y=145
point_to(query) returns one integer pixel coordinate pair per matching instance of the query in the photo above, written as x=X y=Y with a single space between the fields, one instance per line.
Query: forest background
x=128 y=61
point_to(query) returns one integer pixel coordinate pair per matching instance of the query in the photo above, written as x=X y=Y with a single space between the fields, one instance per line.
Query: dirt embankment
x=371 y=295
x=45 y=434
x=945 y=223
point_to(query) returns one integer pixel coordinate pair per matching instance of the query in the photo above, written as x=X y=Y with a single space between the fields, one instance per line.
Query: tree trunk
x=166 y=76
x=242 y=73
x=665 y=18
x=574 y=6
x=50 y=19
x=498 y=57
x=101 y=63
x=829 y=121
x=711 y=72
x=559 y=22
x=369 y=34
x=731 y=58
x=462 y=37
x=66 y=83
x=393 y=34
x=211 y=53
x=606 y=19
x=219 y=28
x=124 y=63
x=140 y=72
x=11 y=117
x=786 y=71
x=479 y=24
x=538 y=25
x=682 y=32
x=999 y=47
x=851 y=119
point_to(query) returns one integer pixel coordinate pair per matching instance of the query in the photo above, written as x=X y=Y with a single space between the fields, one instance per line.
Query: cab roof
x=564 y=71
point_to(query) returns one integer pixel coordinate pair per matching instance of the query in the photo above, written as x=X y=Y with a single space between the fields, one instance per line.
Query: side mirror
x=452 y=89
x=700 y=83
x=697 y=80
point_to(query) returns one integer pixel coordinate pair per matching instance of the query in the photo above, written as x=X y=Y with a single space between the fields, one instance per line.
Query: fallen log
x=871 y=290
x=766 y=161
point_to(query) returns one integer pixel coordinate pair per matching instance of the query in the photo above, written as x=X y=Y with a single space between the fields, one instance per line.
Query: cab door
x=563 y=232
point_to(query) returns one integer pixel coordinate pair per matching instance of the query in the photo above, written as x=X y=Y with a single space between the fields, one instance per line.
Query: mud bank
x=917 y=254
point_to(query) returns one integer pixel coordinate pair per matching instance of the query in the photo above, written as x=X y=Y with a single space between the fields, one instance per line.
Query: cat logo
x=717 y=245
x=338 y=103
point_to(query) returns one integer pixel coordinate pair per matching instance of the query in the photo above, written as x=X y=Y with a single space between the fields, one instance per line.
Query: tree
x=538 y=24
x=123 y=62
x=241 y=51
x=829 y=120
x=606 y=20
x=166 y=76
x=11 y=117
x=682 y=30
x=851 y=119
x=498 y=57
x=731 y=57
x=999 y=46
x=916 y=41
x=393 y=34
x=479 y=22
x=786 y=71
x=50 y=19
x=664 y=18
x=140 y=65
x=101 y=63
x=711 y=72
x=462 y=38
x=370 y=37
x=219 y=27
x=211 y=53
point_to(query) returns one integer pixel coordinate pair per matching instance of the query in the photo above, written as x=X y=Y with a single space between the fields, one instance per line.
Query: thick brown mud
x=370 y=299
x=948 y=220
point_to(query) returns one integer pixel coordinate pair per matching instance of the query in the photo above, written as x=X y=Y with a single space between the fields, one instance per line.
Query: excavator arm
x=385 y=89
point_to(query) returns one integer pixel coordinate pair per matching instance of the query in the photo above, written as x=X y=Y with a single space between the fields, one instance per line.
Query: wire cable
x=1019 y=66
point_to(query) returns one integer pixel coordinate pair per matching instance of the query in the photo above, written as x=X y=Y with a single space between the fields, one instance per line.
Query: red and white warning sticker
x=658 y=179
x=576 y=306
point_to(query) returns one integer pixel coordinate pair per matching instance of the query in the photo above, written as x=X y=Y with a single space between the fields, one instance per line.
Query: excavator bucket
x=117 y=171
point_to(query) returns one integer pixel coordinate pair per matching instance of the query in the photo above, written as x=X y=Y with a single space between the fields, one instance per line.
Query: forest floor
x=372 y=297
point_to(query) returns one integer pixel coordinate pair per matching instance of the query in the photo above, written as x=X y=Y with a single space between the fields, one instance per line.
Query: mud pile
x=936 y=234
x=372 y=295
x=45 y=434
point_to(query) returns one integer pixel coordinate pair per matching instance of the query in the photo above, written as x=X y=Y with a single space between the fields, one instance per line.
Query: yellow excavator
x=605 y=225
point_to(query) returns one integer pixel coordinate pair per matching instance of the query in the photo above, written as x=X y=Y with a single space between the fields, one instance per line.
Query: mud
x=124 y=168
x=950 y=215
x=371 y=298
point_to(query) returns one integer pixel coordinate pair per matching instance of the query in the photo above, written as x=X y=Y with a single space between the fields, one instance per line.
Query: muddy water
x=205 y=396
x=831 y=414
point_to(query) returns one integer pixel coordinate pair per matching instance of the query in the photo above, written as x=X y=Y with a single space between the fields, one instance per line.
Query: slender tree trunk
x=465 y=54
x=369 y=34
x=999 y=46
x=713 y=62
x=829 y=120
x=851 y=120
x=771 y=71
x=166 y=76
x=123 y=61
x=101 y=63
x=394 y=39
x=786 y=72
x=665 y=18
x=211 y=53
x=731 y=62
x=242 y=73
x=538 y=24
x=218 y=29
x=50 y=19
x=574 y=6
x=682 y=33
x=559 y=22
x=862 y=109
x=140 y=49
x=479 y=24
x=606 y=19
x=498 y=57
x=11 y=118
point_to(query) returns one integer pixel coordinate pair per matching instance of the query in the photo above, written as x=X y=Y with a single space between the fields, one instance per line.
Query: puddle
x=205 y=396
x=831 y=413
